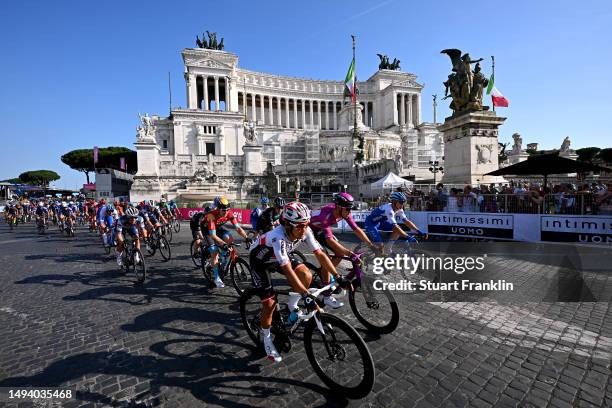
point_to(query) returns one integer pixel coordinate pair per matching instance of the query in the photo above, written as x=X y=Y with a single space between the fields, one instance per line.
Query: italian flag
x=496 y=96
x=349 y=81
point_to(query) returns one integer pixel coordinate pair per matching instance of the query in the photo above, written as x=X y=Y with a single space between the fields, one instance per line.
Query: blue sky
x=76 y=73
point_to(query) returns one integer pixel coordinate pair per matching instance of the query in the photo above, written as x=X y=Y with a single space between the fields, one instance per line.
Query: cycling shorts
x=261 y=274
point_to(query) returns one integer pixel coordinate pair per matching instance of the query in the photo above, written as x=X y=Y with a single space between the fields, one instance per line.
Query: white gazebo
x=389 y=182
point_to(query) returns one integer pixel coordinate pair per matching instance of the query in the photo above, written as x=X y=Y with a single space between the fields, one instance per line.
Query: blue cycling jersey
x=384 y=215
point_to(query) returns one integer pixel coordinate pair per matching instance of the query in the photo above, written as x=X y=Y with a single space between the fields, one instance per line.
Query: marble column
x=253 y=109
x=263 y=109
x=217 y=93
x=335 y=113
x=205 y=86
x=319 y=114
x=403 y=109
x=244 y=105
x=303 y=103
x=410 y=121
x=395 y=119
x=287 y=112
x=228 y=94
x=327 y=115
x=192 y=91
x=270 y=110
x=418 y=109
x=310 y=105
x=295 y=114
x=279 y=121
x=366 y=112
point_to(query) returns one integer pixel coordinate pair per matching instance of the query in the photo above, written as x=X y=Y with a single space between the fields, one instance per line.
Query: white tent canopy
x=390 y=181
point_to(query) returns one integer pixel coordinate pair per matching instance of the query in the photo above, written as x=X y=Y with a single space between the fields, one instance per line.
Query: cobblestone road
x=69 y=318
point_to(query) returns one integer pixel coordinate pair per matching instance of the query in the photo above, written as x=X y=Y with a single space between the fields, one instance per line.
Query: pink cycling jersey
x=323 y=219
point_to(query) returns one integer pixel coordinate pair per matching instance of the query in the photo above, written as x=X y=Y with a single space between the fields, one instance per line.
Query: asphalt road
x=70 y=319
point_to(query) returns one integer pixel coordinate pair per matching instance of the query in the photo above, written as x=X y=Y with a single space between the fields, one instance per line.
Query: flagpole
x=493 y=68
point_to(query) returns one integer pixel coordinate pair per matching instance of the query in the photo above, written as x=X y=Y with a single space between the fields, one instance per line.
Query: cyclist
x=216 y=236
x=384 y=218
x=328 y=215
x=257 y=211
x=110 y=217
x=42 y=212
x=126 y=222
x=272 y=252
x=100 y=212
x=270 y=217
x=195 y=223
x=67 y=215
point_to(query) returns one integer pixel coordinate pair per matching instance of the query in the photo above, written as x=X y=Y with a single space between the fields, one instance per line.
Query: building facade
x=246 y=132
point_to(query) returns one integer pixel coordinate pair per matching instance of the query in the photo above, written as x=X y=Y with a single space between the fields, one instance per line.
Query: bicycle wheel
x=299 y=256
x=168 y=234
x=151 y=244
x=137 y=265
x=177 y=226
x=250 y=313
x=376 y=310
x=207 y=271
x=241 y=275
x=196 y=256
x=164 y=249
x=339 y=356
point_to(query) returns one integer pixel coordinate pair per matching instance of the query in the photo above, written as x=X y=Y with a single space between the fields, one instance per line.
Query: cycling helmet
x=221 y=202
x=295 y=213
x=344 y=200
x=279 y=202
x=162 y=201
x=265 y=200
x=131 y=212
x=110 y=208
x=41 y=204
x=71 y=203
x=397 y=196
x=64 y=204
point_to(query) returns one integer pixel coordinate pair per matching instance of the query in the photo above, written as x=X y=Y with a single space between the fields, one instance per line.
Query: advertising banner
x=477 y=225
x=573 y=228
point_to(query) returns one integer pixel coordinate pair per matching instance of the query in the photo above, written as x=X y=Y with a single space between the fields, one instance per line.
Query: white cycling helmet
x=296 y=213
x=131 y=212
x=41 y=204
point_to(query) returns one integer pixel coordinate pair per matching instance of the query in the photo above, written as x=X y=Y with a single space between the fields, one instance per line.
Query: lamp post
x=435 y=168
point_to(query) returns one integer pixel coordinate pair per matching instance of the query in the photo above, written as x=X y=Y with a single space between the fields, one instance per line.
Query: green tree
x=108 y=157
x=39 y=177
x=605 y=155
x=15 y=180
x=80 y=160
x=587 y=154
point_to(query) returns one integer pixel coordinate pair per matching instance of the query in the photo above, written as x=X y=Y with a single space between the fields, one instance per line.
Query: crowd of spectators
x=520 y=197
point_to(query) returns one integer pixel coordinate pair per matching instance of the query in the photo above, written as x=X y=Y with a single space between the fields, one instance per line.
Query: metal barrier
x=520 y=203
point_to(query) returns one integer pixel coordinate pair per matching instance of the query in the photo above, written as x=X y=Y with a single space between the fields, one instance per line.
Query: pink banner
x=90 y=186
x=95 y=152
x=242 y=216
x=122 y=163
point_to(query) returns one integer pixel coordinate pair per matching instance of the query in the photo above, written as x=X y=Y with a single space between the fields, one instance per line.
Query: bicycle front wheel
x=196 y=255
x=177 y=226
x=250 y=313
x=137 y=264
x=241 y=275
x=339 y=356
x=164 y=249
x=169 y=232
x=376 y=310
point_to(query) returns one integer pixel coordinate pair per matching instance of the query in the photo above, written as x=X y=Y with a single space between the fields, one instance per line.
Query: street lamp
x=435 y=168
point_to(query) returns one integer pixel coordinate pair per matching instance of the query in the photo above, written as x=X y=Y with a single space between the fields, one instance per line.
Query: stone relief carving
x=485 y=152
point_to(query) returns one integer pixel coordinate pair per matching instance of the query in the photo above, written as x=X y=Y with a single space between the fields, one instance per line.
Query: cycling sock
x=293 y=301
x=216 y=271
x=266 y=332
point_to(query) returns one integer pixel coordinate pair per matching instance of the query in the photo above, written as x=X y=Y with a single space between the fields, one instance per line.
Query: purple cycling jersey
x=323 y=219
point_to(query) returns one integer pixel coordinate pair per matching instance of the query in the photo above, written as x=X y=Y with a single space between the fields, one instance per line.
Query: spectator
x=470 y=199
x=453 y=201
x=604 y=201
x=441 y=196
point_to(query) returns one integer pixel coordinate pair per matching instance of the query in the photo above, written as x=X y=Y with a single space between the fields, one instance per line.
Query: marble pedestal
x=471 y=148
x=253 y=159
x=146 y=184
